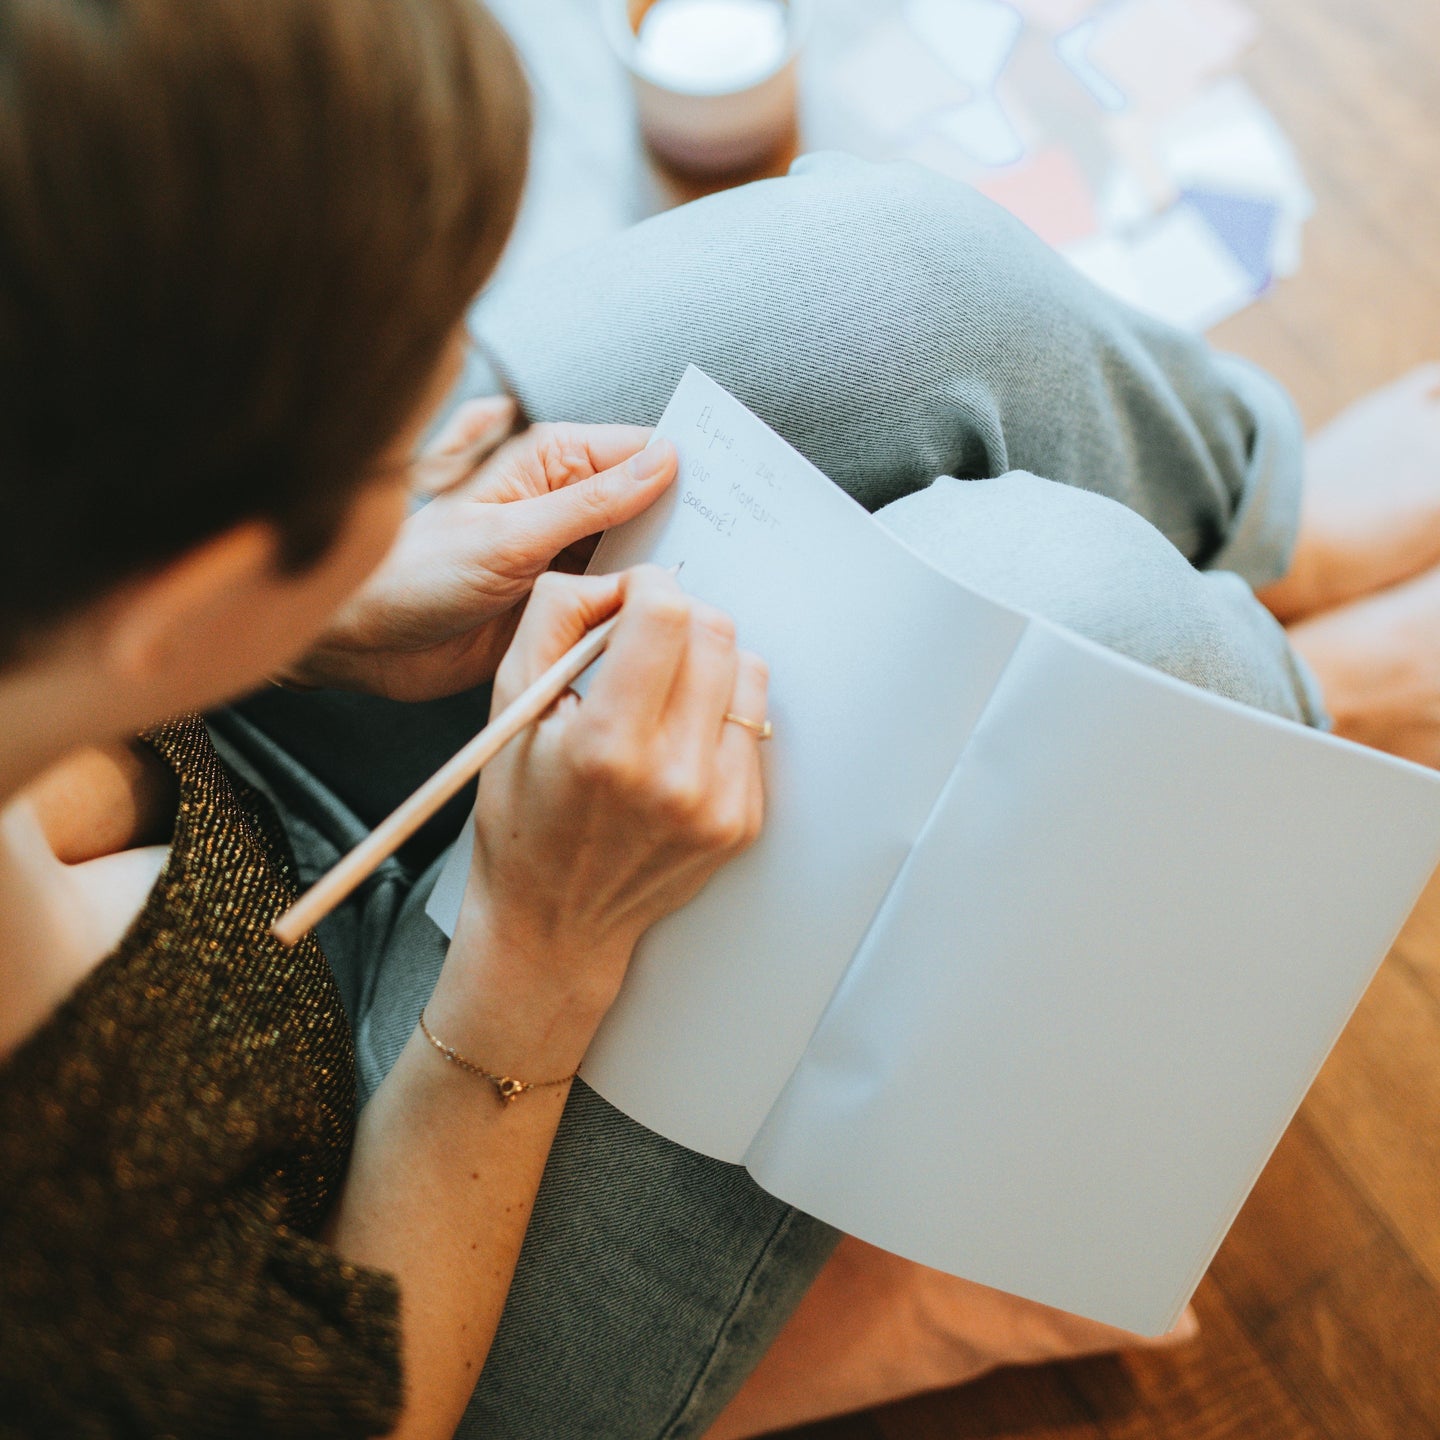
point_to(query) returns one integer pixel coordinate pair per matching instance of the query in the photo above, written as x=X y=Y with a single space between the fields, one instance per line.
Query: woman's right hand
x=616 y=809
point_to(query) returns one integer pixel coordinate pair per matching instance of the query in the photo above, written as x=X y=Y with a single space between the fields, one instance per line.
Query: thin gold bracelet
x=506 y=1086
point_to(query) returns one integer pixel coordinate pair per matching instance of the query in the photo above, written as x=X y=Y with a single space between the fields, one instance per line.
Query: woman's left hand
x=440 y=612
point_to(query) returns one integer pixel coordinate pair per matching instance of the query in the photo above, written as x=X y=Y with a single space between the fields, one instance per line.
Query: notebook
x=1039 y=950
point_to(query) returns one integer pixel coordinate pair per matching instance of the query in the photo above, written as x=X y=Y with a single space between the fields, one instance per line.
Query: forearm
x=444 y=1173
x=608 y=815
x=439 y=1193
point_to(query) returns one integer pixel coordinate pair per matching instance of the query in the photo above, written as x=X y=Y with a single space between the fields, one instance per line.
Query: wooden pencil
x=392 y=832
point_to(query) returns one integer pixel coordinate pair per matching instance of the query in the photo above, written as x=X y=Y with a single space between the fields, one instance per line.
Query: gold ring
x=763 y=728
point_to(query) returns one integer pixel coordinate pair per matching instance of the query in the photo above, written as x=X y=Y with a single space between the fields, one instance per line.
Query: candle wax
x=711 y=47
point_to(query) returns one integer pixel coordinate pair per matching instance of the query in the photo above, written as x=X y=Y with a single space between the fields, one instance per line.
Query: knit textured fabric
x=170 y=1142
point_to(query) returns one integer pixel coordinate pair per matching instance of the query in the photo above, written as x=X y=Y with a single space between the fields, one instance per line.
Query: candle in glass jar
x=711 y=47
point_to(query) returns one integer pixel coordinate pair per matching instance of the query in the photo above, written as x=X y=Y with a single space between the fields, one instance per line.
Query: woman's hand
x=438 y=614
x=612 y=812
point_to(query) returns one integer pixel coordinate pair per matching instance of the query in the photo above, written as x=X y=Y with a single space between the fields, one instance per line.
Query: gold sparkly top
x=170 y=1142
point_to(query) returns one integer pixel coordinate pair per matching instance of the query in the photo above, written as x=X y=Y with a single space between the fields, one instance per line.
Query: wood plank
x=1361 y=1348
x=1303 y=1220
x=1366 y=111
x=1377 y=1106
x=1418 y=948
x=1039 y=1402
x=1361 y=103
x=1216 y=1387
x=847 y=1427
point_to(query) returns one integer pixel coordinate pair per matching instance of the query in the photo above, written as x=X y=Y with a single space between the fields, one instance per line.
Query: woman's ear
x=151 y=627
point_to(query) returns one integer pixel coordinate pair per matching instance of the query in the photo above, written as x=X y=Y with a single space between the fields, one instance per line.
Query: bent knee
x=1087 y=563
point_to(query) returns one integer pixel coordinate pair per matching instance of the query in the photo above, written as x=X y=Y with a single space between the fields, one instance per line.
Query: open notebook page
x=879 y=667
x=1135 y=924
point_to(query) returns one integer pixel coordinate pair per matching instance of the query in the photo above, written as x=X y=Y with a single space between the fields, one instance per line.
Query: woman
x=239 y=240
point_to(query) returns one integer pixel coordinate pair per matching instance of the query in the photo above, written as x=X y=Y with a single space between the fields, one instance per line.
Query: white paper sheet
x=1175 y=268
x=1227 y=141
x=983 y=130
x=892 y=83
x=973 y=38
x=1133 y=928
x=1073 y=48
x=879 y=666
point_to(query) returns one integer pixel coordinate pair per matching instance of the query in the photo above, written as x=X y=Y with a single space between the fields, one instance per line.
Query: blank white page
x=1110 y=969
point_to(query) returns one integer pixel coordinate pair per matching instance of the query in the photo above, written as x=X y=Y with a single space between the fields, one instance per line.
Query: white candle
x=711 y=47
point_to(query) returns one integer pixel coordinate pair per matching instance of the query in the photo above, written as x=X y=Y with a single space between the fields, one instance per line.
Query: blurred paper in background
x=1116 y=129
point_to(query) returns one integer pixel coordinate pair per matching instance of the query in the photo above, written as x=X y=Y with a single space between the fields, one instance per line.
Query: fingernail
x=654 y=458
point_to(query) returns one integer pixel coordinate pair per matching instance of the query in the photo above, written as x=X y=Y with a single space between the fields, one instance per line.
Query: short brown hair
x=235 y=236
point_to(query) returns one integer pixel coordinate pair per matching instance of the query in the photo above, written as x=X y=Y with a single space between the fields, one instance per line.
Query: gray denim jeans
x=899 y=330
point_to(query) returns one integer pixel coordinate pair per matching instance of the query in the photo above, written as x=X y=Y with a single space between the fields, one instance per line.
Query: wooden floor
x=1321 y=1315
